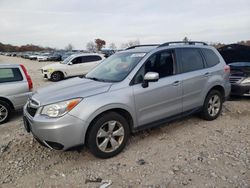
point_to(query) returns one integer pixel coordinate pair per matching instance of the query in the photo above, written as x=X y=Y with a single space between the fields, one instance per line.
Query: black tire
x=56 y=76
x=92 y=138
x=4 y=108
x=206 y=110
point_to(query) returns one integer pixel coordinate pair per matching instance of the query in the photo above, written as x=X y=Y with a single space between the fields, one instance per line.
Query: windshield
x=116 y=67
x=67 y=60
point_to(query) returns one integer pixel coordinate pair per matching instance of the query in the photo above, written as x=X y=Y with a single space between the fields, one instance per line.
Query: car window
x=190 y=60
x=91 y=58
x=161 y=62
x=10 y=75
x=211 y=58
x=77 y=60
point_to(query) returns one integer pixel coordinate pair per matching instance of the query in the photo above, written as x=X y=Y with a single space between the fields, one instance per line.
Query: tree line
x=92 y=46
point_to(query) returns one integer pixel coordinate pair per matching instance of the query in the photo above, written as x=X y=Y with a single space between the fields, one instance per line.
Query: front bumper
x=56 y=133
x=46 y=74
x=239 y=89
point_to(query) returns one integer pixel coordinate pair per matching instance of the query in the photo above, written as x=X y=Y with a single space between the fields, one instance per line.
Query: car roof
x=8 y=65
x=144 y=49
x=85 y=54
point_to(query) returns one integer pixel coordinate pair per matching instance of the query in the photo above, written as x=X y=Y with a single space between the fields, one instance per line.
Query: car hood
x=54 y=66
x=240 y=69
x=69 y=89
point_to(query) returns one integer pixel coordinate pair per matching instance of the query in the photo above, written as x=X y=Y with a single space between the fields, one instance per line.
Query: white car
x=74 y=65
x=43 y=57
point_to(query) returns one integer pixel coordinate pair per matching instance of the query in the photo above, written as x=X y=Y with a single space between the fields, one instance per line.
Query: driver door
x=160 y=99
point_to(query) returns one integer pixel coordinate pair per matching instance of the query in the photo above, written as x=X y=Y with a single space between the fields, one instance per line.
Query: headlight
x=50 y=70
x=60 y=109
x=246 y=81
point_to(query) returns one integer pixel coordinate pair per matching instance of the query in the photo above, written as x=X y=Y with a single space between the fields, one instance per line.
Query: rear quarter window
x=211 y=58
x=91 y=58
x=10 y=75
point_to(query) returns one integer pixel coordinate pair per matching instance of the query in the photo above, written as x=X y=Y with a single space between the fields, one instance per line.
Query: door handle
x=176 y=83
x=207 y=74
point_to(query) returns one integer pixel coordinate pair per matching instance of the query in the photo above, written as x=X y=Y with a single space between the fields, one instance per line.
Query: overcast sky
x=56 y=23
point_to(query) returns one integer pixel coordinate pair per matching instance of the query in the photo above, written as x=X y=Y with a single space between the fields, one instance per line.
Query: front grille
x=235 y=79
x=31 y=111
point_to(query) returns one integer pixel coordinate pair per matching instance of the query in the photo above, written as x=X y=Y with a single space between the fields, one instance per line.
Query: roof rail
x=143 y=45
x=182 y=42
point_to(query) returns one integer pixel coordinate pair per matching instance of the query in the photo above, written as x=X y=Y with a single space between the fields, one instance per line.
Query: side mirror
x=150 y=77
x=70 y=63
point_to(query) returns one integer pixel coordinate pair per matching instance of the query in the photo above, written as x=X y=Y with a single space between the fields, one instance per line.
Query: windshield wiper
x=96 y=79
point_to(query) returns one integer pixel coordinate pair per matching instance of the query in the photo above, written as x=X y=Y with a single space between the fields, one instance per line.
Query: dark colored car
x=54 y=57
x=240 y=78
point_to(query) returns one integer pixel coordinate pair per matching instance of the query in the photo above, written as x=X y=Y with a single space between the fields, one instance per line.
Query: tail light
x=27 y=77
x=227 y=69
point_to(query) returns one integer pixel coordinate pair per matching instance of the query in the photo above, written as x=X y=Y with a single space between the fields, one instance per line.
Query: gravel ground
x=187 y=153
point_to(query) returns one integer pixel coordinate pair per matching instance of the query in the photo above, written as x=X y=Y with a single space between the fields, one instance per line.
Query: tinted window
x=91 y=58
x=77 y=60
x=162 y=63
x=191 y=60
x=10 y=75
x=211 y=58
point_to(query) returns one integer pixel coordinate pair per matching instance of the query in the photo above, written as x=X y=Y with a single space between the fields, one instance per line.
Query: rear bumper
x=239 y=89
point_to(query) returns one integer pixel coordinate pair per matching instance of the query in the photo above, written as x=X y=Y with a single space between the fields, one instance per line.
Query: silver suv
x=138 y=88
x=15 y=86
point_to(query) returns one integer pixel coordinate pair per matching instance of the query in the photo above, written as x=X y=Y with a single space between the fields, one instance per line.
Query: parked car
x=135 y=89
x=16 y=85
x=240 y=78
x=43 y=57
x=54 y=57
x=107 y=52
x=74 y=65
x=67 y=54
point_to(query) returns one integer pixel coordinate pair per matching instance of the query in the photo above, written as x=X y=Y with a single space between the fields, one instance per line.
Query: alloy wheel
x=110 y=136
x=3 y=113
x=214 y=105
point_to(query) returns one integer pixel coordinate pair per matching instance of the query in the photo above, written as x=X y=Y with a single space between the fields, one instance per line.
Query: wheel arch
x=219 y=88
x=7 y=101
x=121 y=111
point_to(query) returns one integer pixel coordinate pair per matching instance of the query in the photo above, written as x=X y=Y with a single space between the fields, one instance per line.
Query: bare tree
x=130 y=43
x=69 y=47
x=112 y=46
x=90 y=46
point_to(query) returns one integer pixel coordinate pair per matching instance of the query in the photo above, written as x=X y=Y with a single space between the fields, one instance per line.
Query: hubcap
x=214 y=105
x=3 y=113
x=110 y=136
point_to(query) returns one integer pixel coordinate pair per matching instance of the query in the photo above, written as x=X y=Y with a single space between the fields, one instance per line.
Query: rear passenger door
x=194 y=77
x=89 y=62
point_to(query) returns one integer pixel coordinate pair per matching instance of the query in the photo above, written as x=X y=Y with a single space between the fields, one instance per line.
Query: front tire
x=5 y=112
x=212 y=105
x=56 y=76
x=108 y=135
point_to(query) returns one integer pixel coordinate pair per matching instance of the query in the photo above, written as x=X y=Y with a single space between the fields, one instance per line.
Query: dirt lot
x=187 y=153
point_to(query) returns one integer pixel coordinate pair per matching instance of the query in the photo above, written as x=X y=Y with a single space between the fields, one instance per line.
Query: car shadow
x=238 y=98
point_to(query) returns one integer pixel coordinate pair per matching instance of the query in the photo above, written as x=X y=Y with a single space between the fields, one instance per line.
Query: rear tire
x=108 y=135
x=212 y=105
x=5 y=112
x=56 y=76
